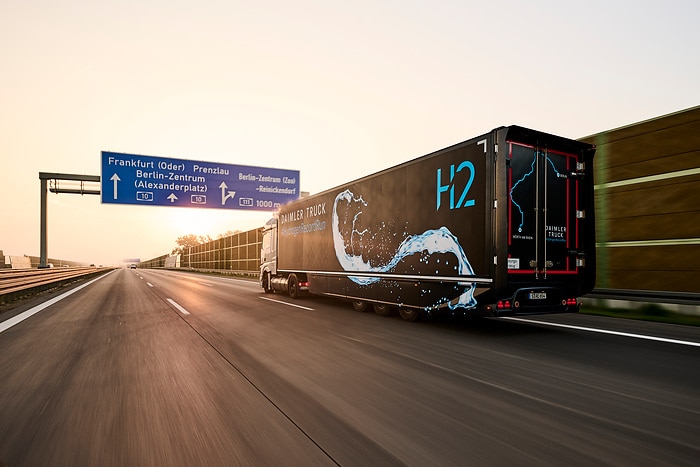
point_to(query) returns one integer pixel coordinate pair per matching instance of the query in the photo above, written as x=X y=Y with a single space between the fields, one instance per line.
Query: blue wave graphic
x=434 y=241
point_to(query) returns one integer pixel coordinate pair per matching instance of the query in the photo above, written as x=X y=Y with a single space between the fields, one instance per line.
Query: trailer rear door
x=543 y=225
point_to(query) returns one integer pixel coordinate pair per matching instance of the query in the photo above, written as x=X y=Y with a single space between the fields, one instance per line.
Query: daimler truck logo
x=303 y=220
x=449 y=188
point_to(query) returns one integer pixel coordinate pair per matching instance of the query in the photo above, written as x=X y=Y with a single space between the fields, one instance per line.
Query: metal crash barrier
x=15 y=284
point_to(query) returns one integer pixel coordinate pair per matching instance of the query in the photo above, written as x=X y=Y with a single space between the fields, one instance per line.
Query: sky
x=334 y=89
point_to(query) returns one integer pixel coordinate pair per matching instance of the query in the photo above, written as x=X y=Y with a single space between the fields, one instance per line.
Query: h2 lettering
x=450 y=187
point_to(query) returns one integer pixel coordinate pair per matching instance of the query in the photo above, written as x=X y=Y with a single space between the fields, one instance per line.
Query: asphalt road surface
x=148 y=367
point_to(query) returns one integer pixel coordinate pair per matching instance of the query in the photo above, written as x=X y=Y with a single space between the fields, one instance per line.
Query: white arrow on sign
x=172 y=197
x=115 y=178
x=225 y=196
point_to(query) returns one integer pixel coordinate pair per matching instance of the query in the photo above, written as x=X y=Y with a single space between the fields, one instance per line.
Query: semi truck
x=501 y=224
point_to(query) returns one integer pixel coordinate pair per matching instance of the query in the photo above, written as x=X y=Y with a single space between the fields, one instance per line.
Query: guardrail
x=17 y=283
x=683 y=303
x=651 y=296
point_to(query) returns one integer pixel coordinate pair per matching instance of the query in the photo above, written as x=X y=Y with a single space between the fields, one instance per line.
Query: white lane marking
x=207 y=284
x=286 y=303
x=7 y=324
x=350 y=338
x=180 y=309
x=149 y=284
x=605 y=331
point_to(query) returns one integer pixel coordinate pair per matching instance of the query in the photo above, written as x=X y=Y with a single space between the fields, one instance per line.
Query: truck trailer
x=501 y=224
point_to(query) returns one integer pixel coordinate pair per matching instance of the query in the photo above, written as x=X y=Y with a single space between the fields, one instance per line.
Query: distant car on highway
x=132 y=266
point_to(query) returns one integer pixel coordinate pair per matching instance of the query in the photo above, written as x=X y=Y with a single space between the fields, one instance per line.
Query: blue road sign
x=160 y=181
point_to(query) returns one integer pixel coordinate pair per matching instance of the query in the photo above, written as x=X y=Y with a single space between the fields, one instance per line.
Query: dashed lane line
x=287 y=303
x=178 y=307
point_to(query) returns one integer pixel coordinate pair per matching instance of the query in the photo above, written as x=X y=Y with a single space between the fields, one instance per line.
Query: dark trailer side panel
x=416 y=235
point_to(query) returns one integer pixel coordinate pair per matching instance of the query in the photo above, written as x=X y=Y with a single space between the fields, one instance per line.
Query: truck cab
x=268 y=255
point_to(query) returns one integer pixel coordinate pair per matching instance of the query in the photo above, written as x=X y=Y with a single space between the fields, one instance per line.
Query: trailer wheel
x=293 y=286
x=381 y=309
x=409 y=314
x=359 y=305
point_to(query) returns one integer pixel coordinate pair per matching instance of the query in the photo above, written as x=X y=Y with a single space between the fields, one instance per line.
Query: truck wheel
x=267 y=287
x=359 y=305
x=409 y=314
x=293 y=286
x=381 y=309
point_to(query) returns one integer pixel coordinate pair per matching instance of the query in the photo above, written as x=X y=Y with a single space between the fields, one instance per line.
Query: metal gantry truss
x=50 y=182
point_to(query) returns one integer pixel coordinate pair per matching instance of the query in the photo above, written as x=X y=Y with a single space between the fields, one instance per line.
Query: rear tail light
x=570 y=302
x=503 y=305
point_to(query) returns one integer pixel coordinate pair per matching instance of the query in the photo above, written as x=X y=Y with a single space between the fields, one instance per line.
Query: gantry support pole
x=43 y=262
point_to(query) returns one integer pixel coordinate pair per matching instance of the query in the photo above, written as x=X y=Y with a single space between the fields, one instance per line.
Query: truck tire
x=267 y=287
x=409 y=314
x=382 y=309
x=293 y=286
x=359 y=305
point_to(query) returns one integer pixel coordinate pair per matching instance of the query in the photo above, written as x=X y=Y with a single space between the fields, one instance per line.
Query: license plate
x=537 y=295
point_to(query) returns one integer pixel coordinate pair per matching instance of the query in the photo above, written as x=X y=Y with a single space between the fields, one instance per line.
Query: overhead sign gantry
x=86 y=187
x=159 y=181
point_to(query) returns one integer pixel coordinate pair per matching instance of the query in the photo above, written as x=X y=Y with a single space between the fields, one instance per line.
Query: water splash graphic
x=434 y=241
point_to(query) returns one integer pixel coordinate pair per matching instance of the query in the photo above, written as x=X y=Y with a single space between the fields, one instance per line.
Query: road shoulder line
x=605 y=331
x=7 y=324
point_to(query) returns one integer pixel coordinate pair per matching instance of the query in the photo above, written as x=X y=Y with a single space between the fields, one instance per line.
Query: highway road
x=150 y=367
